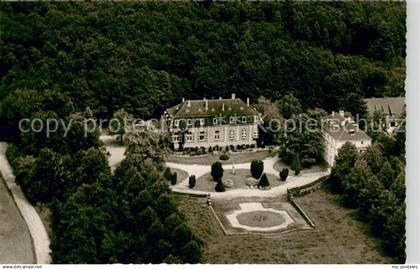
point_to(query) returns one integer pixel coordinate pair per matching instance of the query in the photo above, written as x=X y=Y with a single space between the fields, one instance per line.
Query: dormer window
x=201 y=122
x=176 y=123
x=243 y=119
x=189 y=122
x=232 y=120
x=215 y=121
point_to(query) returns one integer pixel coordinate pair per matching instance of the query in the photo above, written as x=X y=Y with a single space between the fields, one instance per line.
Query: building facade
x=390 y=108
x=339 y=128
x=212 y=123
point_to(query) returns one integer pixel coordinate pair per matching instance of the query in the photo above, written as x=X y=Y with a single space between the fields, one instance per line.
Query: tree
x=263 y=183
x=49 y=176
x=120 y=123
x=284 y=173
x=257 y=168
x=296 y=166
x=386 y=174
x=344 y=162
x=217 y=171
x=306 y=141
x=289 y=106
x=220 y=187
x=182 y=131
x=354 y=182
x=374 y=158
x=191 y=181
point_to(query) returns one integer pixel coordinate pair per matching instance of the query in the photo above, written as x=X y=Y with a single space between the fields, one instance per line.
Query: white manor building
x=339 y=128
x=212 y=123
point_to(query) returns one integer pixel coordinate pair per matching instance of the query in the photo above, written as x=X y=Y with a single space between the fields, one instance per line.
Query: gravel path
x=39 y=235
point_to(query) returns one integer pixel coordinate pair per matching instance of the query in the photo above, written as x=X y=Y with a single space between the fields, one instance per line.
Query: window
x=216 y=135
x=243 y=119
x=175 y=138
x=255 y=119
x=201 y=122
x=189 y=137
x=176 y=123
x=243 y=134
x=232 y=119
x=256 y=134
x=202 y=136
x=231 y=134
x=361 y=142
x=189 y=122
x=214 y=121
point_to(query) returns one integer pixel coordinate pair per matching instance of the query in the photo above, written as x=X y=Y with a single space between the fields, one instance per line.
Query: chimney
x=341 y=112
x=183 y=99
x=207 y=104
x=223 y=107
x=220 y=98
x=247 y=101
x=188 y=103
x=333 y=113
x=233 y=96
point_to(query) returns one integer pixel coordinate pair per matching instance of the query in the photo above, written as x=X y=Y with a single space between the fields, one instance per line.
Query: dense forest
x=145 y=57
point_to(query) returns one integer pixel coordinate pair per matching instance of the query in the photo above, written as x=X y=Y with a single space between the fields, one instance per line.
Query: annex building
x=390 y=108
x=339 y=128
x=212 y=123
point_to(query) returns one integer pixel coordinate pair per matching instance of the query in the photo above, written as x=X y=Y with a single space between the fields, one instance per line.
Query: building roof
x=392 y=106
x=215 y=108
x=343 y=128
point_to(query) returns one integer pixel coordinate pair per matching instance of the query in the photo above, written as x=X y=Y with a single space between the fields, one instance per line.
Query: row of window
x=202 y=136
x=232 y=120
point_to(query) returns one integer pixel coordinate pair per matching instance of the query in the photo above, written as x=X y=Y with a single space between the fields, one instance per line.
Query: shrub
x=257 y=167
x=217 y=171
x=224 y=157
x=284 y=173
x=219 y=186
x=174 y=178
x=167 y=174
x=263 y=181
x=191 y=181
x=296 y=166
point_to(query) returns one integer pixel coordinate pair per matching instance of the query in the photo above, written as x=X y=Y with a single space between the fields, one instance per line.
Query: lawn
x=206 y=182
x=339 y=238
x=242 y=157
